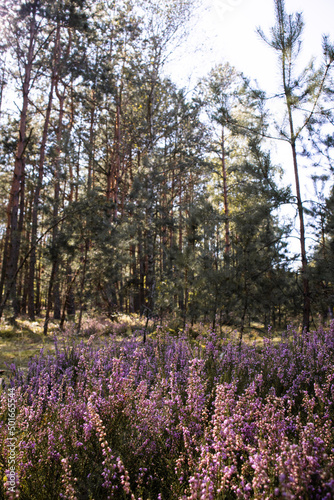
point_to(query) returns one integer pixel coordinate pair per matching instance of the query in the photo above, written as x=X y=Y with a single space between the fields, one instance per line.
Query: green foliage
x=136 y=196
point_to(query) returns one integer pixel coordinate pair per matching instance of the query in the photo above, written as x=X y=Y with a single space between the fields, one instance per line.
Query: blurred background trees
x=120 y=192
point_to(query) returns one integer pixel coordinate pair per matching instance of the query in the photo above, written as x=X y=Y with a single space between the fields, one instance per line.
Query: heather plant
x=175 y=418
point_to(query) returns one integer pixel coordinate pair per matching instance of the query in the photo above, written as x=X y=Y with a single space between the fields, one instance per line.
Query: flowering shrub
x=175 y=419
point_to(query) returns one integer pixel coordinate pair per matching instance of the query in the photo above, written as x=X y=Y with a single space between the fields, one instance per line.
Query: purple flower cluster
x=176 y=418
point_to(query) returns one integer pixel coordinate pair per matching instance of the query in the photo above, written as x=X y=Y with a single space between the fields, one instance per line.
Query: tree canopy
x=122 y=192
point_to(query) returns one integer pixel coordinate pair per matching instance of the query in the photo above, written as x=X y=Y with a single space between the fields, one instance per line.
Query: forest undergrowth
x=182 y=416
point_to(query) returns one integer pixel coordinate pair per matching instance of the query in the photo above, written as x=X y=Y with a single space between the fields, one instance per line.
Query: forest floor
x=21 y=342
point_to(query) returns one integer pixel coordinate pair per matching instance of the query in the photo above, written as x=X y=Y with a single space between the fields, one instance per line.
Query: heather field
x=182 y=416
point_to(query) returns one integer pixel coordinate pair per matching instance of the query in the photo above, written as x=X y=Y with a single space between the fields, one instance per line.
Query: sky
x=225 y=31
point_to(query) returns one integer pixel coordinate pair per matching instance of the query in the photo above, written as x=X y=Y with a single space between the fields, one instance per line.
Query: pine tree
x=299 y=91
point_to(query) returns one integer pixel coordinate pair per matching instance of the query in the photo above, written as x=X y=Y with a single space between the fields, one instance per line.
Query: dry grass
x=19 y=343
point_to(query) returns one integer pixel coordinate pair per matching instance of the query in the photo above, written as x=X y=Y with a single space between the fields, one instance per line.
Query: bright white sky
x=225 y=31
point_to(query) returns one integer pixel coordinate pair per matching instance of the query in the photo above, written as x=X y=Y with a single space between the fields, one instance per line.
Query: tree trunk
x=13 y=233
x=49 y=301
x=82 y=284
x=90 y=178
x=305 y=281
x=34 y=225
x=68 y=306
x=225 y=194
x=2 y=86
x=61 y=98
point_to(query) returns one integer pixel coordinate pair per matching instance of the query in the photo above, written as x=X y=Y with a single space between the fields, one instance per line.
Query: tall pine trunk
x=34 y=224
x=54 y=284
x=16 y=198
x=225 y=194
